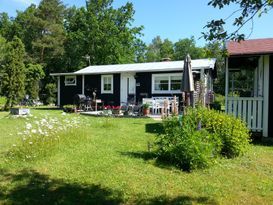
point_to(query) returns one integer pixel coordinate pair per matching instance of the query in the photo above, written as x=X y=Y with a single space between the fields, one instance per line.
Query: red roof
x=248 y=47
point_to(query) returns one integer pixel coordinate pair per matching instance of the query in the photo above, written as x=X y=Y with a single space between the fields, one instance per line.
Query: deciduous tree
x=101 y=32
x=187 y=46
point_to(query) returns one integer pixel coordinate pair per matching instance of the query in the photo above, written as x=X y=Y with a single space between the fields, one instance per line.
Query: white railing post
x=248 y=109
x=83 y=79
x=266 y=95
x=59 y=92
x=227 y=88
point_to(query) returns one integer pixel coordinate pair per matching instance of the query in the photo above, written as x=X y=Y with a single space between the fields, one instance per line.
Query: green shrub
x=233 y=133
x=50 y=94
x=187 y=147
x=203 y=136
x=2 y=102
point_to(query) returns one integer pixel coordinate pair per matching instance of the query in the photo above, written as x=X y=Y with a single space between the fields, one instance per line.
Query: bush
x=50 y=94
x=185 y=146
x=2 y=102
x=233 y=133
x=203 y=137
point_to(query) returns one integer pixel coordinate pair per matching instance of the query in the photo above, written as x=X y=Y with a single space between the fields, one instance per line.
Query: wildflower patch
x=40 y=136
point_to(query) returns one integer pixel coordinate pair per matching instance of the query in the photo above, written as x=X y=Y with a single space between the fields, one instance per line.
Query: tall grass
x=41 y=136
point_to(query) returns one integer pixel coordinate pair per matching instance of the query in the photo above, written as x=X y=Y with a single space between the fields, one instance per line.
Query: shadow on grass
x=162 y=200
x=161 y=163
x=31 y=187
x=154 y=128
x=140 y=155
x=46 y=108
x=261 y=141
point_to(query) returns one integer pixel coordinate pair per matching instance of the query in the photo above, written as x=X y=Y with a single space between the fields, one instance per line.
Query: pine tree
x=13 y=78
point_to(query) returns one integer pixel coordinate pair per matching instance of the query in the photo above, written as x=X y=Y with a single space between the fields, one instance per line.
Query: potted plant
x=146 y=109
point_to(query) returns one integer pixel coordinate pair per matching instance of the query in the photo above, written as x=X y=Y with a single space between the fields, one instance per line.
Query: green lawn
x=105 y=161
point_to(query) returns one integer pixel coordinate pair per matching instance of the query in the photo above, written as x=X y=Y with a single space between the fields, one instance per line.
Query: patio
x=155 y=107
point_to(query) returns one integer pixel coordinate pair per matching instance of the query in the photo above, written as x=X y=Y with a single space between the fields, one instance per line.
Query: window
x=166 y=83
x=176 y=82
x=161 y=83
x=70 y=80
x=107 y=84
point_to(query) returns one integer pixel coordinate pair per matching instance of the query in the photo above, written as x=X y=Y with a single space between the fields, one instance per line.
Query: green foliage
x=203 y=137
x=2 y=102
x=153 y=50
x=3 y=47
x=50 y=93
x=103 y=33
x=218 y=51
x=187 y=46
x=248 y=9
x=159 y=49
x=233 y=133
x=39 y=138
x=13 y=78
x=6 y=26
x=187 y=147
x=87 y=166
x=145 y=106
x=34 y=73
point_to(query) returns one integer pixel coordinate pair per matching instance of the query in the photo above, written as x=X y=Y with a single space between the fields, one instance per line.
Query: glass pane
x=176 y=82
x=161 y=86
x=242 y=83
x=70 y=80
x=107 y=87
x=161 y=83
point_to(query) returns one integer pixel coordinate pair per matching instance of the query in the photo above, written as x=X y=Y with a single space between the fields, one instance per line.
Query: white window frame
x=67 y=83
x=169 y=75
x=102 y=84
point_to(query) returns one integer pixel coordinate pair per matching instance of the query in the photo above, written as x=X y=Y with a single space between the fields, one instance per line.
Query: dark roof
x=250 y=47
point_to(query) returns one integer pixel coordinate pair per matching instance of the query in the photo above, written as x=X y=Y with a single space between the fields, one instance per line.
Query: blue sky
x=172 y=19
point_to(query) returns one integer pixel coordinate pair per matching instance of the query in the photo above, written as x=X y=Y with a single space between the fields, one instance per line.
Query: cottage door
x=127 y=87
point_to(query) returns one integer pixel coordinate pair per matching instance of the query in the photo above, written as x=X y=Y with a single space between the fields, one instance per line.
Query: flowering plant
x=39 y=136
x=109 y=107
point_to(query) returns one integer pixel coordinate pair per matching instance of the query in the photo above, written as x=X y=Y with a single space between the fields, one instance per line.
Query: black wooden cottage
x=119 y=84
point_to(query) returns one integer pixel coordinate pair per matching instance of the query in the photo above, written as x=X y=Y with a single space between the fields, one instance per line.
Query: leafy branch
x=249 y=9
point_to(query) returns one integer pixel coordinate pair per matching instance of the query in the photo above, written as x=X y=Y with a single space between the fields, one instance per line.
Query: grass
x=106 y=161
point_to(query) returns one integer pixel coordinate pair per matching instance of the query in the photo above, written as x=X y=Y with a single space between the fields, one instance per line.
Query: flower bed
x=115 y=110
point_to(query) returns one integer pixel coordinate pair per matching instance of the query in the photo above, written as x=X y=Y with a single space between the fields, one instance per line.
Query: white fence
x=249 y=109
